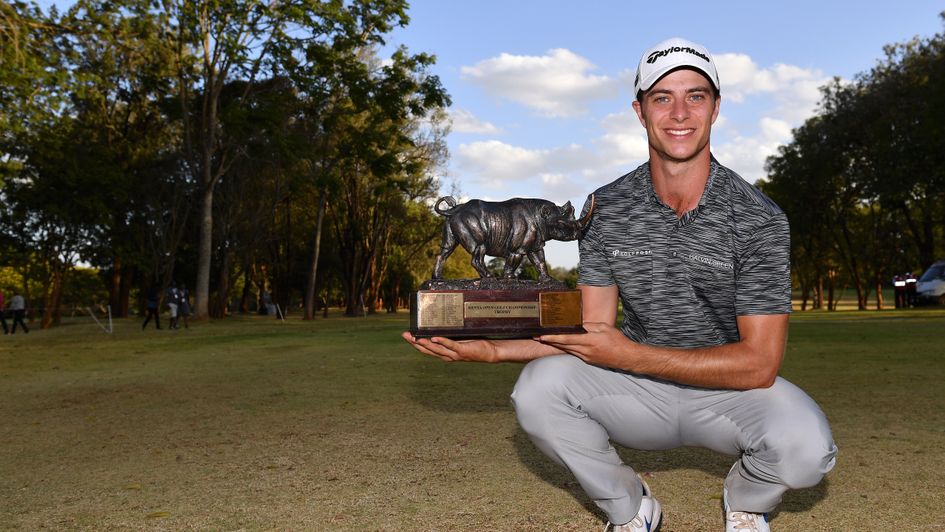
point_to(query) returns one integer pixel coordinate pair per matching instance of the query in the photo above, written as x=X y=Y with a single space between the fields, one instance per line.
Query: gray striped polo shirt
x=682 y=281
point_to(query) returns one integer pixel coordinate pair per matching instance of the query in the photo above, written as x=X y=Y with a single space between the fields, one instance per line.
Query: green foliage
x=863 y=182
x=10 y=279
x=120 y=121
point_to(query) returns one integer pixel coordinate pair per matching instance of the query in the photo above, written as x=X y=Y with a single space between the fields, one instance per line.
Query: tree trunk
x=223 y=286
x=114 y=288
x=124 y=298
x=312 y=277
x=831 y=303
x=353 y=299
x=819 y=296
x=848 y=253
x=247 y=283
x=879 y=292
x=922 y=233
x=51 y=296
x=204 y=253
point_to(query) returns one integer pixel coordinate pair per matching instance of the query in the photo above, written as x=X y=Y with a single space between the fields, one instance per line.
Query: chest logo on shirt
x=630 y=253
x=709 y=261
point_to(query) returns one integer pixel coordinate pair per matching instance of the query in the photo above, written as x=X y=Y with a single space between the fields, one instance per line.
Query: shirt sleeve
x=593 y=267
x=763 y=276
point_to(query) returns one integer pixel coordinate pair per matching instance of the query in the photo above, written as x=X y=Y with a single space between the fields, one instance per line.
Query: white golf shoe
x=648 y=517
x=743 y=521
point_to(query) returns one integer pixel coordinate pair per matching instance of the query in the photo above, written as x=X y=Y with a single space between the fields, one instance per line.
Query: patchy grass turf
x=338 y=425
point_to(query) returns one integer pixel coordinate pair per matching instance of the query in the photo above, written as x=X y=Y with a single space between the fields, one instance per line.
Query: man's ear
x=718 y=102
x=638 y=107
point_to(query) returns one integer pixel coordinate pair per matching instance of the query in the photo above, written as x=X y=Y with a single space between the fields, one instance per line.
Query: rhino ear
x=567 y=209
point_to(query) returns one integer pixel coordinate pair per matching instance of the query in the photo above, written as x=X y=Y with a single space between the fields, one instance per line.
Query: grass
x=336 y=424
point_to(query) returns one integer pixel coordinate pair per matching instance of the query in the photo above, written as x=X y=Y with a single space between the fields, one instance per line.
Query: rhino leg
x=446 y=249
x=538 y=259
x=511 y=265
x=479 y=260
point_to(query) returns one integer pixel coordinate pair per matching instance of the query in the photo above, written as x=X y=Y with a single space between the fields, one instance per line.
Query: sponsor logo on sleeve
x=624 y=254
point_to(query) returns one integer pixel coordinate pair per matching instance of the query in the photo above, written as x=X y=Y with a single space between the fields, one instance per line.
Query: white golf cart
x=931 y=286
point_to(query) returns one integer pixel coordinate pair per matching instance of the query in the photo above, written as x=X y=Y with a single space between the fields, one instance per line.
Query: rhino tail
x=450 y=202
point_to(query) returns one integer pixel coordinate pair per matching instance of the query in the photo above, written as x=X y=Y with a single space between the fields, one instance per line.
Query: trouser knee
x=804 y=459
x=539 y=394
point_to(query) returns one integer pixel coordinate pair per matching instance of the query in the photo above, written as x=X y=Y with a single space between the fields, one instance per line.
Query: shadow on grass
x=643 y=462
x=469 y=388
x=458 y=387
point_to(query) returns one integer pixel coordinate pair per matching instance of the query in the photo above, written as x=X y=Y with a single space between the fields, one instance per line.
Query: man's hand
x=603 y=345
x=455 y=350
x=519 y=350
x=751 y=362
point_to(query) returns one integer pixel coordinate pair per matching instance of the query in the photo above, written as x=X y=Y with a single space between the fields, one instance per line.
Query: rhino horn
x=587 y=217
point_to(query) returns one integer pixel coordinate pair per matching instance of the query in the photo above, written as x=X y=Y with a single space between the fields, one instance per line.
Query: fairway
x=336 y=424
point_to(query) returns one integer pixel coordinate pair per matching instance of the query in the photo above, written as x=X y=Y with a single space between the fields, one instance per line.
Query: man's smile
x=680 y=132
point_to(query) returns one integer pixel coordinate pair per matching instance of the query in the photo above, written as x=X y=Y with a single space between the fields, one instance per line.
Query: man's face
x=678 y=113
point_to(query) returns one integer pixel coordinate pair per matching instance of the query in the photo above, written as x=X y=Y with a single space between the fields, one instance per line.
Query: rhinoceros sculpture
x=511 y=229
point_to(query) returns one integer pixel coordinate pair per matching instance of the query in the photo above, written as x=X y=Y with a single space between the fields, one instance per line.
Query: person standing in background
x=18 y=306
x=183 y=307
x=3 y=319
x=172 y=297
x=153 y=310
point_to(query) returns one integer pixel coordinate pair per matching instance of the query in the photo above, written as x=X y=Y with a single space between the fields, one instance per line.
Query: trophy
x=506 y=307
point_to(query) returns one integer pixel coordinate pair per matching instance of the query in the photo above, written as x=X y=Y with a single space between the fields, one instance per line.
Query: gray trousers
x=572 y=410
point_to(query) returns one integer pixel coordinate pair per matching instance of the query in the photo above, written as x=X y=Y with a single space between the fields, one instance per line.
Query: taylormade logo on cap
x=670 y=55
x=660 y=53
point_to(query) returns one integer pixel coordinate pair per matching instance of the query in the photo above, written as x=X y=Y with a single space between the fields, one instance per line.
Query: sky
x=541 y=90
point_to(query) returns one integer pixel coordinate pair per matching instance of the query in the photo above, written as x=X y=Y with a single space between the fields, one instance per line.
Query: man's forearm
x=751 y=362
x=730 y=366
x=523 y=350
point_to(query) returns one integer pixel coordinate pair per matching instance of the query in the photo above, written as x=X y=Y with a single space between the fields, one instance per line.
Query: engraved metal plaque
x=440 y=309
x=560 y=308
x=502 y=309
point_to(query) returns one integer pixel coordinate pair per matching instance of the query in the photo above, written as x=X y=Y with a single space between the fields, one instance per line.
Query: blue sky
x=541 y=89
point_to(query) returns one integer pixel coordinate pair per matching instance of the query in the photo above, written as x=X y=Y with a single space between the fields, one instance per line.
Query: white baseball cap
x=670 y=55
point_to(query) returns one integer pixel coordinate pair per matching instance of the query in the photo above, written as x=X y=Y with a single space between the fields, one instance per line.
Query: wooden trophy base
x=494 y=308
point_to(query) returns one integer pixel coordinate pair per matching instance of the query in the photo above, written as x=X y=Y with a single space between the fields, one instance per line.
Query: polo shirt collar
x=709 y=192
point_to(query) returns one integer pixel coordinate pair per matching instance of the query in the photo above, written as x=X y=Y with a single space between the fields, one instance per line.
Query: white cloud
x=746 y=155
x=555 y=84
x=495 y=162
x=465 y=122
x=553 y=173
x=775 y=130
x=795 y=90
x=624 y=139
x=785 y=95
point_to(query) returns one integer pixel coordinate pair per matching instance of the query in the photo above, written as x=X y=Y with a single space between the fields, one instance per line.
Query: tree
x=143 y=109
x=123 y=76
x=863 y=181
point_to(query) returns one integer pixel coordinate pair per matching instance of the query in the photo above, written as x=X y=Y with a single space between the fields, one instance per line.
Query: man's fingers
x=560 y=339
x=428 y=347
x=452 y=345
